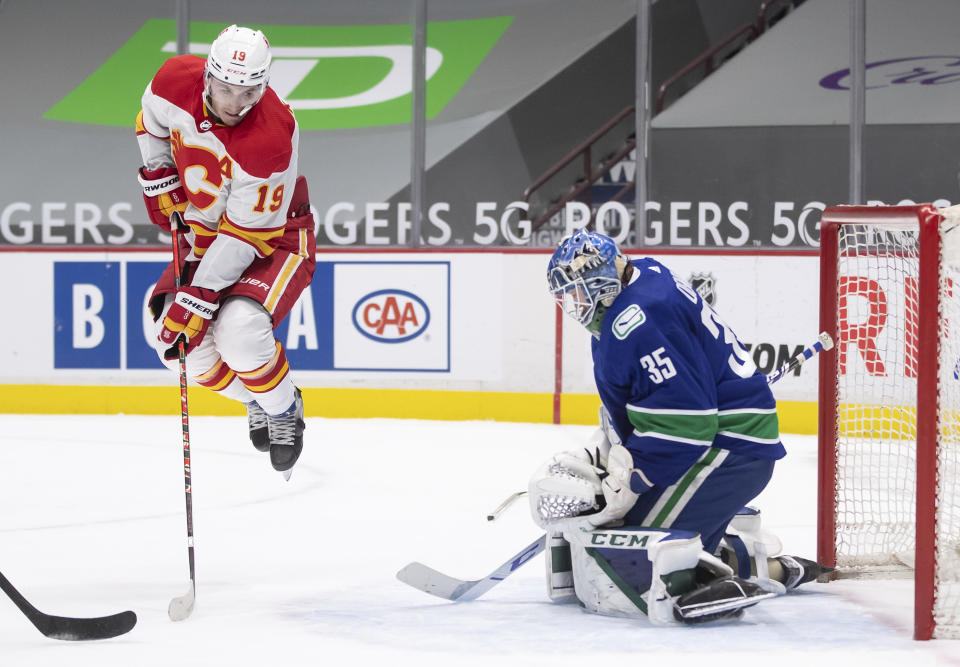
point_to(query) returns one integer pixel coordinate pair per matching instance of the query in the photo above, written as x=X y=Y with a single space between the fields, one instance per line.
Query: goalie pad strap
x=747 y=542
x=743 y=556
x=559 y=569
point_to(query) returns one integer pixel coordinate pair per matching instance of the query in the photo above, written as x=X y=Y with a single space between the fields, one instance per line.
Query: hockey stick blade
x=180 y=608
x=436 y=583
x=67 y=628
x=84 y=629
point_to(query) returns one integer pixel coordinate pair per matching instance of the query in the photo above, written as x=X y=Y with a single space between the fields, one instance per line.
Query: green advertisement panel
x=332 y=76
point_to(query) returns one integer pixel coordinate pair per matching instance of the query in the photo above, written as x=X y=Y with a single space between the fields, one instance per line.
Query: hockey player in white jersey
x=654 y=507
x=219 y=146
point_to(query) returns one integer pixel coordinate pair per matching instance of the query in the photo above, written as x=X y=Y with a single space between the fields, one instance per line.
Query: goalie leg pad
x=754 y=553
x=746 y=524
x=559 y=569
x=746 y=546
x=633 y=571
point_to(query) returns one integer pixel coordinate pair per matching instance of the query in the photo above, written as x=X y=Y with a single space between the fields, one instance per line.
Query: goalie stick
x=181 y=607
x=67 y=628
x=504 y=505
x=444 y=586
x=824 y=342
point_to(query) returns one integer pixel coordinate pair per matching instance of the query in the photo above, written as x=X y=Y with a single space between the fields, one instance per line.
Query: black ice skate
x=721 y=599
x=257 y=422
x=800 y=570
x=286 y=436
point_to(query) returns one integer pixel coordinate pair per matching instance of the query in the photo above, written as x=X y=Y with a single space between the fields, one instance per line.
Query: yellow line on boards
x=343 y=403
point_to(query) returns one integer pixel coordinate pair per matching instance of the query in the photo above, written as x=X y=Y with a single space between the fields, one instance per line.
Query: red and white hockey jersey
x=239 y=180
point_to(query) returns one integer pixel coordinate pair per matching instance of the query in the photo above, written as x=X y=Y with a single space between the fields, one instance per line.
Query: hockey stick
x=495 y=514
x=70 y=629
x=182 y=606
x=823 y=342
x=443 y=586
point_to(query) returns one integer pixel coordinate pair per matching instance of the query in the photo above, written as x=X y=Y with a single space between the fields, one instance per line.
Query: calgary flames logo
x=214 y=170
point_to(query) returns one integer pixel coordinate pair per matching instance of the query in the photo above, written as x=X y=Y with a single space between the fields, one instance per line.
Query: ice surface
x=302 y=573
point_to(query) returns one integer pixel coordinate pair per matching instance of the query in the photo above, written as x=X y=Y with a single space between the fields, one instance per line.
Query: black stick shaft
x=176 y=222
x=28 y=609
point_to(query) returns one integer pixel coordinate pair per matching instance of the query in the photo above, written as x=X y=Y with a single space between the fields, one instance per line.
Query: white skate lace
x=256 y=417
x=283 y=428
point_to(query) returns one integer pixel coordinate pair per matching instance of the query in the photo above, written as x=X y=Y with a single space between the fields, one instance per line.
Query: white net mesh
x=877 y=348
x=947 y=574
x=876 y=399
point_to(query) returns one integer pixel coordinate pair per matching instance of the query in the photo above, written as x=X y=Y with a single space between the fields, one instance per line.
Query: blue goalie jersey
x=676 y=380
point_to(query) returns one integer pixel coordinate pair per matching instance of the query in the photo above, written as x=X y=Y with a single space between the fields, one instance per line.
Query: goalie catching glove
x=188 y=318
x=585 y=489
x=163 y=194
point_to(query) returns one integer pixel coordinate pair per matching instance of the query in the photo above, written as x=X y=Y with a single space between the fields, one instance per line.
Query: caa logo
x=391 y=316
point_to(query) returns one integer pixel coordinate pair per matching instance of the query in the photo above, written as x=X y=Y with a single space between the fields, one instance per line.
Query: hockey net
x=889 y=488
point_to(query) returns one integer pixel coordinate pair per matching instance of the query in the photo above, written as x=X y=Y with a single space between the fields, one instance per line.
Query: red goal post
x=889 y=422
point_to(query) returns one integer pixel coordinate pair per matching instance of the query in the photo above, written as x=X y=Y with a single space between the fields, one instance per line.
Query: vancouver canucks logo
x=631 y=317
x=704 y=283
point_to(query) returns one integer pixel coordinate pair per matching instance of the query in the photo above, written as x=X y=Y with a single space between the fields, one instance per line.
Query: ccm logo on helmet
x=391 y=316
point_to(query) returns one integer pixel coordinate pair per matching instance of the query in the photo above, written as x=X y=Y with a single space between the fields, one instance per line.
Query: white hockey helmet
x=240 y=57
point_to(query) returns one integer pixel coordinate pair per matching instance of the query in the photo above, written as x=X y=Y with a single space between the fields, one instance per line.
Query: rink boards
x=427 y=334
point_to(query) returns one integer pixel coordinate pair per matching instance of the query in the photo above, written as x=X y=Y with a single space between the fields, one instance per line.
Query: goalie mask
x=584 y=276
x=236 y=73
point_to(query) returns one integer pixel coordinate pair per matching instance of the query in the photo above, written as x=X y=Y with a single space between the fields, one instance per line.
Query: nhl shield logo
x=205 y=125
x=705 y=285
